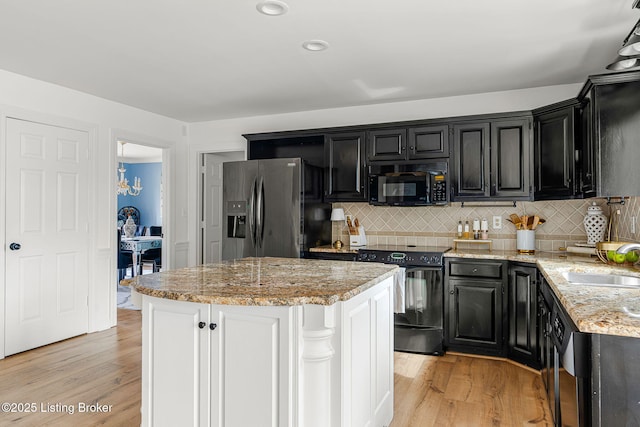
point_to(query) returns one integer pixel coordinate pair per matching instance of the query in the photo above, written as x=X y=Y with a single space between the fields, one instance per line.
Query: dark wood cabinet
x=586 y=158
x=610 y=112
x=510 y=159
x=474 y=304
x=471 y=161
x=492 y=160
x=387 y=144
x=555 y=155
x=523 y=315
x=428 y=142
x=414 y=143
x=345 y=171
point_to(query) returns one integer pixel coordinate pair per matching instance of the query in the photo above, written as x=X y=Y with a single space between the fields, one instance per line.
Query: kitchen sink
x=609 y=280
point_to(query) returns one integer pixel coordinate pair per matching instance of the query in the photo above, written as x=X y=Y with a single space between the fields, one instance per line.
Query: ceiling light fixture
x=122 y=185
x=624 y=63
x=272 y=7
x=629 y=53
x=315 y=45
x=632 y=44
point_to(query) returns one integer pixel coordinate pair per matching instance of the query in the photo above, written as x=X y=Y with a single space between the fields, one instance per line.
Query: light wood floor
x=104 y=367
x=458 y=390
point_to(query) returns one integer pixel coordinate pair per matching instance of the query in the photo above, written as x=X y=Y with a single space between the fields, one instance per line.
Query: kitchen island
x=268 y=341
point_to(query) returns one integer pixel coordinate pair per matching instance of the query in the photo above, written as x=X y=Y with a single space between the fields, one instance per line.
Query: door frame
x=50 y=120
x=241 y=155
x=168 y=154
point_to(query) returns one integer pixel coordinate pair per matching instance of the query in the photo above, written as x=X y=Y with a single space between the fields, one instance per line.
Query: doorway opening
x=139 y=214
x=210 y=204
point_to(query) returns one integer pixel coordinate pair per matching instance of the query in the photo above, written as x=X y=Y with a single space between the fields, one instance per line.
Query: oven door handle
x=412 y=269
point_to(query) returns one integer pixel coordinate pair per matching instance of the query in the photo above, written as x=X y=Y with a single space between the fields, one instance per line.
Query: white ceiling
x=200 y=60
x=134 y=153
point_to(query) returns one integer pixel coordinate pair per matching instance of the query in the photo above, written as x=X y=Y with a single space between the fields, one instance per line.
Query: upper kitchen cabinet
x=345 y=171
x=491 y=160
x=413 y=143
x=612 y=123
x=564 y=155
x=555 y=151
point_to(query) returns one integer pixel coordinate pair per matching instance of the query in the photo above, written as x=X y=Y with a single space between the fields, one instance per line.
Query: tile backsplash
x=438 y=225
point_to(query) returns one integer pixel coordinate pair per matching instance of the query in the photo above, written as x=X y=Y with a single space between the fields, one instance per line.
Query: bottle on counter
x=465 y=234
x=484 y=229
x=476 y=228
x=459 y=229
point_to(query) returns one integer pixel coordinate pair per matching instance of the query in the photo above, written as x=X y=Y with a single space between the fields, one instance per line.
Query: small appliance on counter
x=356 y=232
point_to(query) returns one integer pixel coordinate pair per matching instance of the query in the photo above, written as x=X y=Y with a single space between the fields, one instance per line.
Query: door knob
x=14 y=246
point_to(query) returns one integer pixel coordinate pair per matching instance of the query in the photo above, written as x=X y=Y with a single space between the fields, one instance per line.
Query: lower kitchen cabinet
x=207 y=365
x=474 y=298
x=523 y=315
x=235 y=365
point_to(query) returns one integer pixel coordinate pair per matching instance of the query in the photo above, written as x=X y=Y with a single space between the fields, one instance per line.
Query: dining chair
x=154 y=255
x=125 y=259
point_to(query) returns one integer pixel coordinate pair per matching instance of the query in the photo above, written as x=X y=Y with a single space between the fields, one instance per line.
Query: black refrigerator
x=273 y=207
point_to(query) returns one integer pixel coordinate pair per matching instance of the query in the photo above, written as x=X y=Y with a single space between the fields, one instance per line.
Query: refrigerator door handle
x=260 y=213
x=252 y=213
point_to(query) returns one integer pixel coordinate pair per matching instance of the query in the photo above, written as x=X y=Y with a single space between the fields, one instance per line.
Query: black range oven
x=419 y=319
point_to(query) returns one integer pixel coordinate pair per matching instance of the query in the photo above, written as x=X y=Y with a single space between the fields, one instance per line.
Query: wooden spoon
x=515 y=219
x=536 y=220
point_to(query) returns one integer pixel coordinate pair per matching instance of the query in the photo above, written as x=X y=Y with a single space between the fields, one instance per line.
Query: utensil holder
x=526 y=241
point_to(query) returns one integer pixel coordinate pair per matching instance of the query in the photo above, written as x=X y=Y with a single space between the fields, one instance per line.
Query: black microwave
x=408 y=184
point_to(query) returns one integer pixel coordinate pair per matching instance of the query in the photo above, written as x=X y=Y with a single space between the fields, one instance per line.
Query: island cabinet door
x=175 y=381
x=367 y=355
x=251 y=366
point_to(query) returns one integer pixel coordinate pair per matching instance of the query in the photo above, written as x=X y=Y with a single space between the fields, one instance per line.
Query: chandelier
x=123 y=186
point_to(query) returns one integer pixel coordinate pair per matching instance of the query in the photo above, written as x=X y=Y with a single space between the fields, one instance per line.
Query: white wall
x=105 y=120
x=226 y=135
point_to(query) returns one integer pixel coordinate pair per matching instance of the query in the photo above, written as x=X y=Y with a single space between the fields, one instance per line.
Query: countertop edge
x=328 y=299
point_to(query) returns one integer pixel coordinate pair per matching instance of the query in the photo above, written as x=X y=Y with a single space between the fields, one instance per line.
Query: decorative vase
x=129 y=228
x=595 y=224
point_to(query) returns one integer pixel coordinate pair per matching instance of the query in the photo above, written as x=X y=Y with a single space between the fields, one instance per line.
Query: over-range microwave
x=409 y=183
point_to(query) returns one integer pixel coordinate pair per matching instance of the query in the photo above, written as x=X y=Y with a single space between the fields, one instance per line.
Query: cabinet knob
x=212 y=326
x=14 y=246
x=451 y=292
x=475 y=270
x=201 y=325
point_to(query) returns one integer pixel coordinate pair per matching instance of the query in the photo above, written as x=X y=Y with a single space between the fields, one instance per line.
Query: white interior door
x=47 y=215
x=211 y=221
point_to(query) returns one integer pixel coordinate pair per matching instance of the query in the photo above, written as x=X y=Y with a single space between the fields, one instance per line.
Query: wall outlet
x=497 y=222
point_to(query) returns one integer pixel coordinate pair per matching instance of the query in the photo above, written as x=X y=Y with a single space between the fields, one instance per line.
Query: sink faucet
x=628 y=247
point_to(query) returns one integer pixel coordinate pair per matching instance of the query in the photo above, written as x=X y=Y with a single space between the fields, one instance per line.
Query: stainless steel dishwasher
x=569 y=376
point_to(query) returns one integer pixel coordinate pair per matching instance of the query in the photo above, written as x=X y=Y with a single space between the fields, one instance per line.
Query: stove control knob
x=424 y=258
x=435 y=259
x=372 y=256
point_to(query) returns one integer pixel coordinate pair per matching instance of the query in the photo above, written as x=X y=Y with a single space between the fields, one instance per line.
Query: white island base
x=249 y=366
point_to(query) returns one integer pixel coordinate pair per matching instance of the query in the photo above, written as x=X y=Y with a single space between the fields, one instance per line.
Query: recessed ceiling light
x=315 y=45
x=272 y=7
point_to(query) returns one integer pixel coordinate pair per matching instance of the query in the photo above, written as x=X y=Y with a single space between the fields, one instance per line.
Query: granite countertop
x=265 y=281
x=594 y=309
